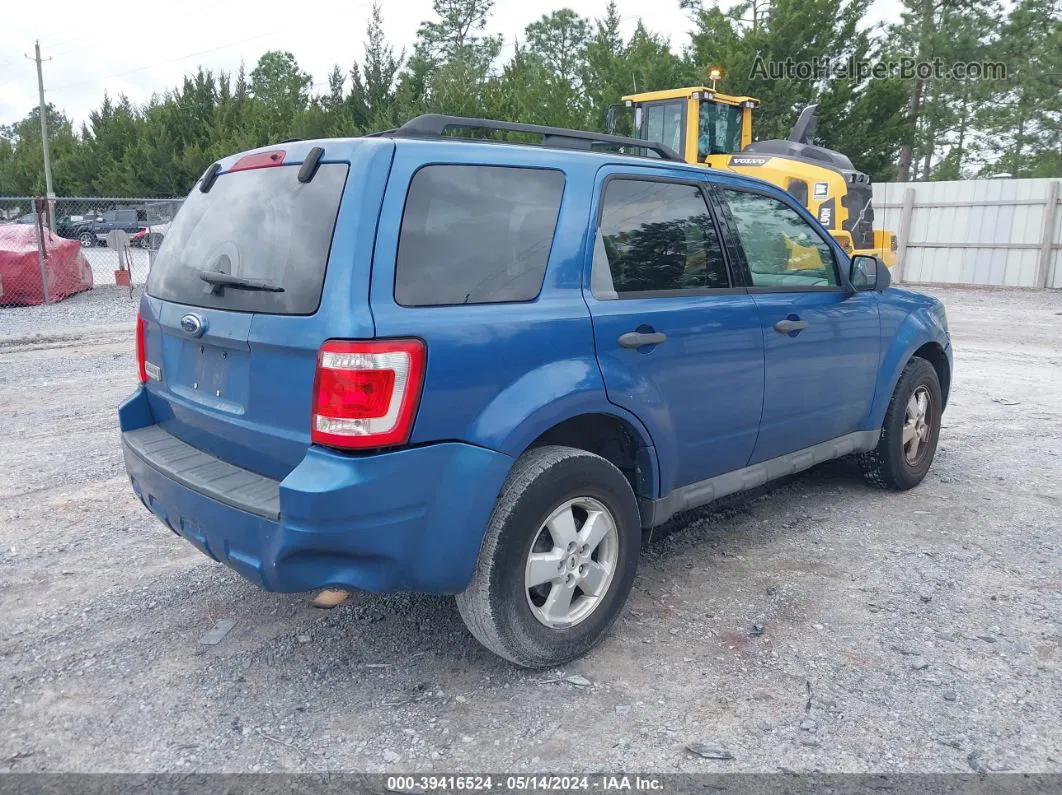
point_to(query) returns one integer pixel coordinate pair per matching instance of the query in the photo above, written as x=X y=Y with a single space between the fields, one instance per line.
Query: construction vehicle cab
x=714 y=129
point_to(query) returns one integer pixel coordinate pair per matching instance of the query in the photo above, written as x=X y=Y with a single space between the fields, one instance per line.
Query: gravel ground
x=822 y=625
x=102 y=306
x=103 y=261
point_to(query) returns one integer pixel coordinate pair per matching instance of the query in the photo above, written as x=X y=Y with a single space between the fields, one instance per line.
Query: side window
x=782 y=249
x=476 y=234
x=655 y=236
x=664 y=123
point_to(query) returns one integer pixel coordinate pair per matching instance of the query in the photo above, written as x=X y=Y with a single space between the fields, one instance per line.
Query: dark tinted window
x=658 y=236
x=261 y=224
x=476 y=234
x=781 y=247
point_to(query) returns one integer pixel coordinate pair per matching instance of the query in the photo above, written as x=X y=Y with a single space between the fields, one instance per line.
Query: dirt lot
x=900 y=632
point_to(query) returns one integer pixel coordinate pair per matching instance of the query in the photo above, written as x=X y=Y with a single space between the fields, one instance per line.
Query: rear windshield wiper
x=220 y=280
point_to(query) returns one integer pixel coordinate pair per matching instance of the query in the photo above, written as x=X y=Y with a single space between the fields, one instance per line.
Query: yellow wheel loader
x=713 y=129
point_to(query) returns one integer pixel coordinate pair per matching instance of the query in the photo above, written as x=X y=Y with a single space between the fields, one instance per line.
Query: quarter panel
x=498 y=375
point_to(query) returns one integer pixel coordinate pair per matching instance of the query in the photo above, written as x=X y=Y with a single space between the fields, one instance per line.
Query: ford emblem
x=193 y=324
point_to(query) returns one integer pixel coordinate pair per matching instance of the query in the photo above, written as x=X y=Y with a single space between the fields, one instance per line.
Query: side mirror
x=868 y=273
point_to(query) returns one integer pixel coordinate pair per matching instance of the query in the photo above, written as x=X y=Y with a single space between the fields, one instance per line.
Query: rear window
x=476 y=234
x=262 y=225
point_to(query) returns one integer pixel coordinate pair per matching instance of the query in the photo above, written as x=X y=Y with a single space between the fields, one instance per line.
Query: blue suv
x=413 y=361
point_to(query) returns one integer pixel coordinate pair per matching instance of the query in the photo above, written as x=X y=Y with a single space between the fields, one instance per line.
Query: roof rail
x=434 y=125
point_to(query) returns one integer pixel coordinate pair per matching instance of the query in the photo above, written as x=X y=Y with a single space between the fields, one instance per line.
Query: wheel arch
x=933 y=352
x=564 y=403
x=621 y=440
x=915 y=338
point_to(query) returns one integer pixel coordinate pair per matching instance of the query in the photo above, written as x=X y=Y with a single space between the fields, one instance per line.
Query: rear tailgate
x=231 y=359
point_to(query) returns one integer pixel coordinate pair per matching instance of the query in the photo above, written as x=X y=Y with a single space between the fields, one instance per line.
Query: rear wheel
x=558 y=560
x=909 y=434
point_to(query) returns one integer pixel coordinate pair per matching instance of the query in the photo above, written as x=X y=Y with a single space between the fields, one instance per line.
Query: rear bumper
x=409 y=520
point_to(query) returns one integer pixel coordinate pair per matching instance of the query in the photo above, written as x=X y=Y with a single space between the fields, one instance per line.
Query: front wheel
x=88 y=239
x=909 y=434
x=558 y=559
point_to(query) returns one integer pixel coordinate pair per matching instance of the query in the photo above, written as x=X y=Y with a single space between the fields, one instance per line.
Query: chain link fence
x=51 y=250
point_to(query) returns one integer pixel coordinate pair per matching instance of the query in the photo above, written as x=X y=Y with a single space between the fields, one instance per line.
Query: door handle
x=636 y=339
x=788 y=326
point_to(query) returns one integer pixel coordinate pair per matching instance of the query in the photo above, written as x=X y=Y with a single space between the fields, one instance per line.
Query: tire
x=88 y=239
x=891 y=464
x=509 y=617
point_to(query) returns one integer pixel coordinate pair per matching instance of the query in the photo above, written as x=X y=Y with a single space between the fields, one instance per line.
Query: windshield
x=261 y=225
x=720 y=130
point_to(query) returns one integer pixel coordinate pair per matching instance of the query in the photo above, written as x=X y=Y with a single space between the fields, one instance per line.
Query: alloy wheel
x=917 y=426
x=571 y=563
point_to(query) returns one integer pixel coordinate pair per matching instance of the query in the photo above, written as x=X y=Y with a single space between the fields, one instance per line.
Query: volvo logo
x=193 y=324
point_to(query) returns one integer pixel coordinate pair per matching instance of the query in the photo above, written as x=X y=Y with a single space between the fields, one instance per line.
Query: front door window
x=781 y=247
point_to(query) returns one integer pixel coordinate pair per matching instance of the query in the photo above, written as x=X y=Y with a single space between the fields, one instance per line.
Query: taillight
x=892 y=242
x=365 y=394
x=141 y=350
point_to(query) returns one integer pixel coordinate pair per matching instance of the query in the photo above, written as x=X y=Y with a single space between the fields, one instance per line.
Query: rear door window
x=260 y=225
x=476 y=234
x=656 y=237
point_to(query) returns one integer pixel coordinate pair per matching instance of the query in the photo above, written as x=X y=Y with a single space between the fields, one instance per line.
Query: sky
x=145 y=48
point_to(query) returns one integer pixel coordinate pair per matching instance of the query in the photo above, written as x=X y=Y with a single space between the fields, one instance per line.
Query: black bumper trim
x=204 y=473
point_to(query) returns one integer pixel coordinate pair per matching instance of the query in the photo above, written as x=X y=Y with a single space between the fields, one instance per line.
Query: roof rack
x=434 y=125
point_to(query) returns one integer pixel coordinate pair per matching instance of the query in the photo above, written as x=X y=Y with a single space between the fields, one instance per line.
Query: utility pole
x=44 y=138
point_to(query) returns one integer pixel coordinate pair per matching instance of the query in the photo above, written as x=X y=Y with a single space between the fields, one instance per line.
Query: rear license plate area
x=212 y=376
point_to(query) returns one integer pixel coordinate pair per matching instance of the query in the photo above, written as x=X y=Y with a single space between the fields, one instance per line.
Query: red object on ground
x=20 y=269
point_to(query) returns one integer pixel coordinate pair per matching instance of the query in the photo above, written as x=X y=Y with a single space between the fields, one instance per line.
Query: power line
x=6 y=62
x=78 y=37
x=91 y=43
x=80 y=47
x=9 y=81
x=162 y=63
